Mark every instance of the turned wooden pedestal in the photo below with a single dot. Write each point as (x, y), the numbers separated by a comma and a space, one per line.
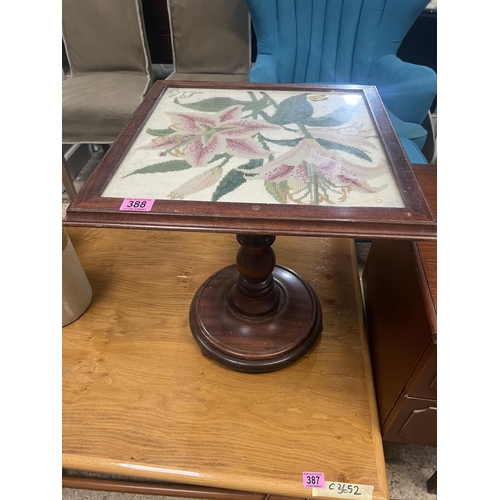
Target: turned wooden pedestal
(255, 316)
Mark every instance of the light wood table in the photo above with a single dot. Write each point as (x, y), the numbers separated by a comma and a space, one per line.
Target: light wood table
(140, 400)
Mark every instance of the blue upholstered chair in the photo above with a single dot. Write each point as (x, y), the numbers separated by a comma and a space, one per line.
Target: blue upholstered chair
(347, 41)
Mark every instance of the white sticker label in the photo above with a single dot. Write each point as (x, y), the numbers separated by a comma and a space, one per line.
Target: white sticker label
(344, 490)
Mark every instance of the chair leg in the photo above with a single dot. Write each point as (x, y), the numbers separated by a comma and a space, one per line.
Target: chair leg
(67, 180)
(432, 484)
(429, 148)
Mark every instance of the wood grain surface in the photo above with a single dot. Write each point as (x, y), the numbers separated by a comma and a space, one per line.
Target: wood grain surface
(427, 177)
(139, 399)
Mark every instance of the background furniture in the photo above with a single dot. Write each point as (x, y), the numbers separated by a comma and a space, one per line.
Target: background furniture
(158, 34)
(110, 69)
(419, 46)
(211, 40)
(67, 179)
(400, 288)
(347, 42)
(140, 400)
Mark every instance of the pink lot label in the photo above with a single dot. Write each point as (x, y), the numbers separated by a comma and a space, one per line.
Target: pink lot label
(137, 204)
(313, 479)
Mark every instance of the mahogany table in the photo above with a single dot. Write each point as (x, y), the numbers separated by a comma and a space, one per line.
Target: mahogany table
(140, 401)
(259, 161)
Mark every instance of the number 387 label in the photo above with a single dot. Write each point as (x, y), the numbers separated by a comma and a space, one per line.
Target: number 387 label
(137, 204)
(313, 479)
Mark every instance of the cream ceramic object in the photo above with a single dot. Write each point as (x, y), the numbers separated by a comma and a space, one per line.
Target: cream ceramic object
(76, 290)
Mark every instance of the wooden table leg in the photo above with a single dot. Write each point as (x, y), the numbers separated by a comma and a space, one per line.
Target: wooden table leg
(432, 484)
(255, 316)
(67, 180)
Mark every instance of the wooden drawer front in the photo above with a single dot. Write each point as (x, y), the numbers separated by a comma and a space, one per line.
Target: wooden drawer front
(423, 383)
(397, 320)
(415, 422)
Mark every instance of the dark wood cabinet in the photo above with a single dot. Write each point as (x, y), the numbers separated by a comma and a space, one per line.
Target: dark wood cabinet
(400, 288)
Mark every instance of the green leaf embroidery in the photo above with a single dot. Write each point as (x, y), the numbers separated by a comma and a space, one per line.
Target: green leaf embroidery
(211, 105)
(336, 118)
(166, 166)
(252, 164)
(160, 132)
(256, 106)
(219, 157)
(233, 180)
(262, 140)
(270, 99)
(225, 157)
(275, 189)
(284, 142)
(343, 147)
(294, 109)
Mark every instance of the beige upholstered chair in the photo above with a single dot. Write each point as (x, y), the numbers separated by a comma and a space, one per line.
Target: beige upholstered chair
(211, 40)
(110, 70)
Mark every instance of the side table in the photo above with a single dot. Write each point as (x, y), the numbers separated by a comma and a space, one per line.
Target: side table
(140, 400)
(257, 160)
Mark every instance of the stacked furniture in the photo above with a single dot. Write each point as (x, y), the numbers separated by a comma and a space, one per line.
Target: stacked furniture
(110, 71)
(211, 40)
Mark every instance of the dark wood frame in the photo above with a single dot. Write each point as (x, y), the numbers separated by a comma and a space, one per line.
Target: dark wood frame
(414, 221)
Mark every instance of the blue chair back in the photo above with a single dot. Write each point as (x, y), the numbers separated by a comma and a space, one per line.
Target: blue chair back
(347, 42)
(332, 41)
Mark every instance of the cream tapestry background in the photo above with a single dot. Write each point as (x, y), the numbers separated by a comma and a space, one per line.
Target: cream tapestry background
(259, 147)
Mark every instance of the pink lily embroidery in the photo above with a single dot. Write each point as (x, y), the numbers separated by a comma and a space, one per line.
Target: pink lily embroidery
(198, 137)
(199, 182)
(314, 173)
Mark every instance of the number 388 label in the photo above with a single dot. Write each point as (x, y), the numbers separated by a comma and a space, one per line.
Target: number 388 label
(137, 204)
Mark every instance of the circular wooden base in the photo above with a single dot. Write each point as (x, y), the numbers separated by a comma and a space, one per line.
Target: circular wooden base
(259, 343)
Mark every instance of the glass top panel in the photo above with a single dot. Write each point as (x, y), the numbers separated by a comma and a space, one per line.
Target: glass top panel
(249, 146)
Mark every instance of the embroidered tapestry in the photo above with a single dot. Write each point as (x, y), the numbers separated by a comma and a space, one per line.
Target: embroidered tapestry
(251, 146)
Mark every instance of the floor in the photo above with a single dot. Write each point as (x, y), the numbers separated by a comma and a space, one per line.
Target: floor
(408, 466)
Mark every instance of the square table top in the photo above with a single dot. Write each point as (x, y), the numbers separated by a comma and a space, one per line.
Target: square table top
(140, 400)
(247, 146)
(260, 158)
